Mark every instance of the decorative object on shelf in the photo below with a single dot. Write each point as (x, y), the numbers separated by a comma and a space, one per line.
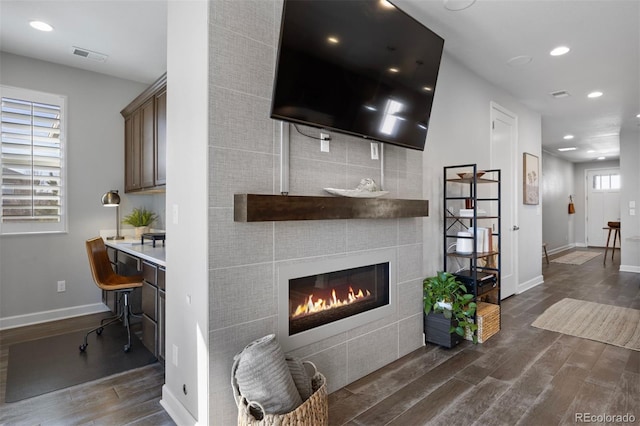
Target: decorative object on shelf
(439, 292)
(140, 218)
(366, 189)
(531, 179)
(112, 199)
(469, 175)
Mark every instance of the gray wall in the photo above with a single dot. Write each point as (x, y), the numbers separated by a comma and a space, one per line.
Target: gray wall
(244, 257)
(557, 184)
(459, 133)
(31, 265)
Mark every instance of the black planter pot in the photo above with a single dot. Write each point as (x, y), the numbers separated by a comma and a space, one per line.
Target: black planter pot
(436, 330)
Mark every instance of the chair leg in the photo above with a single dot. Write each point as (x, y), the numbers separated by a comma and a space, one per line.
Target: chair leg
(124, 316)
(127, 312)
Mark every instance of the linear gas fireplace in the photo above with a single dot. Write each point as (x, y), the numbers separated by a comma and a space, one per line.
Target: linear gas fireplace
(325, 297)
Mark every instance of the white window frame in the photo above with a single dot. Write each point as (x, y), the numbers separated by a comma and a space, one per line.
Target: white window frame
(34, 227)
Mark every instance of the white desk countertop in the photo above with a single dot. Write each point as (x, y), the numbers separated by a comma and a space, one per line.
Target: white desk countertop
(144, 251)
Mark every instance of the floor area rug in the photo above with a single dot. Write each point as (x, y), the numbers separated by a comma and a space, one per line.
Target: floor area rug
(45, 365)
(594, 321)
(576, 257)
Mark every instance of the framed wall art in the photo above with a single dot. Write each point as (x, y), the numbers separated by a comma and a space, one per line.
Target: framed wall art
(531, 179)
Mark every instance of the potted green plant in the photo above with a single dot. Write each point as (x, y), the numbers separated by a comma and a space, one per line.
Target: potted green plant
(448, 309)
(140, 218)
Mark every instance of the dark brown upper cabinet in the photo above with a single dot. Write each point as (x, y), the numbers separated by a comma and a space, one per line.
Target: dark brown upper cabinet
(145, 140)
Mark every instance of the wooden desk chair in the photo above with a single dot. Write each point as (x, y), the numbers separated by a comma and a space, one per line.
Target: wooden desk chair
(108, 280)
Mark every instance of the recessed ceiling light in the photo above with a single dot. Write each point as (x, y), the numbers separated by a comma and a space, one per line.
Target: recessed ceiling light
(595, 94)
(559, 51)
(42, 26)
(601, 158)
(568, 137)
(386, 4)
(518, 61)
(455, 5)
(572, 148)
(591, 151)
(333, 40)
(394, 70)
(427, 89)
(638, 115)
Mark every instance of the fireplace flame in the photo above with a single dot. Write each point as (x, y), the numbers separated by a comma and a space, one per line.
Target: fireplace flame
(312, 305)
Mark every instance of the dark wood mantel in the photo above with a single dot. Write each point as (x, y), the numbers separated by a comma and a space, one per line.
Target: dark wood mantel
(266, 207)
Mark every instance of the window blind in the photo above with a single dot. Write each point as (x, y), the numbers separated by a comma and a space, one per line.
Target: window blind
(32, 162)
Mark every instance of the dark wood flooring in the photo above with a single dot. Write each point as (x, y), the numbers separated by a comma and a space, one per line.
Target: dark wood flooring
(129, 398)
(521, 376)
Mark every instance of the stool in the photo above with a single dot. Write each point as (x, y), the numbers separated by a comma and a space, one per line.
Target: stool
(616, 234)
(546, 256)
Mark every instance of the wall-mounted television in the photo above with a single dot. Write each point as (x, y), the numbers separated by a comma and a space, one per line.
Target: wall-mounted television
(361, 67)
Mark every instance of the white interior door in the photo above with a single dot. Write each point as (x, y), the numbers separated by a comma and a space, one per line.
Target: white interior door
(603, 204)
(503, 149)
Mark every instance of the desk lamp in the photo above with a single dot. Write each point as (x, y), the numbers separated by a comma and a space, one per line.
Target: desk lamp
(112, 199)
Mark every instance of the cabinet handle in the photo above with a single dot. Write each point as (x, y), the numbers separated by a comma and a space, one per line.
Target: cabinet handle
(515, 227)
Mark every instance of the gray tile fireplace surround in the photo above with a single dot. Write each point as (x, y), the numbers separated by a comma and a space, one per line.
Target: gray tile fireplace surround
(244, 257)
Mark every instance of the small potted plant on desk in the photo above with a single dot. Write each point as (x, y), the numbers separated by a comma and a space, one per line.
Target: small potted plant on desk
(448, 310)
(140, 218)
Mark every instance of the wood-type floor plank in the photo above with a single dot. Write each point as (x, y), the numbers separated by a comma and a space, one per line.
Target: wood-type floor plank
(520, 376)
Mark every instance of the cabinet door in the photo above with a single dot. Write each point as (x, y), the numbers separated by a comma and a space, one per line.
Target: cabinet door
(147, 136)
(161, 139)
(132, 152)
(161, 319)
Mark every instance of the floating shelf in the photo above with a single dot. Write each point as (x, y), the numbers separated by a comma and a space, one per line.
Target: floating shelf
(265, 208)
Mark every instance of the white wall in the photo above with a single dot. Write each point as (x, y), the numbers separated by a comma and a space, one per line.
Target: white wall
(557, 184)
(579, 178)
(459, 133)
(630, 225)
(31, 265)
(186, 197)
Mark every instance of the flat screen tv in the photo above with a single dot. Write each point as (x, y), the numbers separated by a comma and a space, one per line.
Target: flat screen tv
(361, 67)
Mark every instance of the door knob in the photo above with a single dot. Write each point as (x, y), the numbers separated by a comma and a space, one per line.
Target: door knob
(515, 227)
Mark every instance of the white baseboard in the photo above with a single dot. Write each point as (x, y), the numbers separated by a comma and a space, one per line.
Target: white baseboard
(630, 268)
(522, 287)
(561, 249)
(584, 245)
(53, 315)
(175, 409)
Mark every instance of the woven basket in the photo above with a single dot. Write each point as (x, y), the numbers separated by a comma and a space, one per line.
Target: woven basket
(314, 411)
(488, 316)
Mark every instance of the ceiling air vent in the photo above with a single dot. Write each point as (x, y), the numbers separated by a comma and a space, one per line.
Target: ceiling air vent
(560, 94)
(88, 54)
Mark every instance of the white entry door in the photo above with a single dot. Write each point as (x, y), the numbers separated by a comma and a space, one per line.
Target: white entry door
(603, 204)
(504, 133)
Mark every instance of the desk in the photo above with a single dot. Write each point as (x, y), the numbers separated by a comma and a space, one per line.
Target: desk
(616, 234)
(149, 261)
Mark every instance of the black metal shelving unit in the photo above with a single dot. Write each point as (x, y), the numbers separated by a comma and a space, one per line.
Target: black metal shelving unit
(461, 191)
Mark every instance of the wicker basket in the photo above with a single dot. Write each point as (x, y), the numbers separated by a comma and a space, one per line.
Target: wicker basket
(488, 316)
(314, 411)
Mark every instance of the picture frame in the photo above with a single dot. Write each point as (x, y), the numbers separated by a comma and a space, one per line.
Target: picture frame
(530, 179)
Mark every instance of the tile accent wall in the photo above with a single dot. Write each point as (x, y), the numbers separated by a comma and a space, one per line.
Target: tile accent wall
(243, 257)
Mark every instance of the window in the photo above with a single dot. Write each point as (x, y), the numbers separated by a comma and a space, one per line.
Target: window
(33, 162)
(606, 182)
